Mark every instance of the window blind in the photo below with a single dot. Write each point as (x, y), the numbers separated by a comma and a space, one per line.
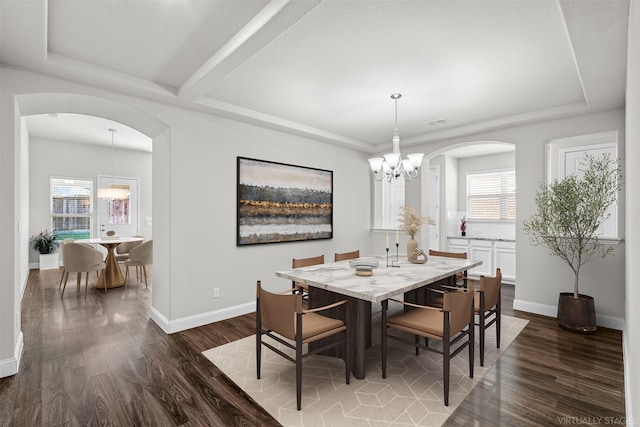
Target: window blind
(491, 195)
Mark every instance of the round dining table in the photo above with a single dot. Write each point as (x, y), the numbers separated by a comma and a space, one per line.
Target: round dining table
(111, 276)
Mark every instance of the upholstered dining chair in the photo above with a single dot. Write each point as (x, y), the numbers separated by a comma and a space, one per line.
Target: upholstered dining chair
(62, 243)
(487, 304)
(140, 256)
(346, 255)
(281, 317)
(122, 250)
(79, 258)
(450, 324)
(305, 262)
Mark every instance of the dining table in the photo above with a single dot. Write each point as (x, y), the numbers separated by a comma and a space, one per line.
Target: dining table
(336, 281)
(111, 276)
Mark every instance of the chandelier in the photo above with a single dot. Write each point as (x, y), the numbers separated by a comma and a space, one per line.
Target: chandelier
(113, 191)
(392, 166)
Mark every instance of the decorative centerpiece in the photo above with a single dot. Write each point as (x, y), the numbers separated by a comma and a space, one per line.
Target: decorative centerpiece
(44, 242)
(463, 226)
(410, 222)
(418, 256)
(364, 267)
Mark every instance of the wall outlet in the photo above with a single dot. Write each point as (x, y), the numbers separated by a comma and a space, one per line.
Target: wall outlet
(216, 292)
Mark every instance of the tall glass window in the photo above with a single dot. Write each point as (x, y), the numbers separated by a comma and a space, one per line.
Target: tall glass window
(71, 207)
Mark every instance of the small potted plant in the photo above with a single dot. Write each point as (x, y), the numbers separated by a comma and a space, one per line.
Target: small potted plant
(410, 222)
(463, 226)
(44, 242)
(569, 213)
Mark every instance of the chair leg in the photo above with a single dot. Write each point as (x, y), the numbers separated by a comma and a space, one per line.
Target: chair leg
(299, 360)
(78, 280)
(126, 275)
(481, 326)
(472, 342)
(66, 277)
(144, 270)
(86, 284)
(498, 319)
(446, 358)
(383, 338)
(416, 338)
(258, 338)
(61, 278)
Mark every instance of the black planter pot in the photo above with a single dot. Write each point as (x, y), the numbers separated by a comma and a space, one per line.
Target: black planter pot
(577, 314)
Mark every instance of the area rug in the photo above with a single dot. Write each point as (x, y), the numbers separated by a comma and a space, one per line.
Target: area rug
(411, 395)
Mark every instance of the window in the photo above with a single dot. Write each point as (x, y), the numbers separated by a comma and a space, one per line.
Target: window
(71, 207)
(388, 200)
(491, 195)
(565, 156)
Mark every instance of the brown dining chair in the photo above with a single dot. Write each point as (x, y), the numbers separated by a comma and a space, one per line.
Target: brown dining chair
(461, 278)
(435, 298)
(305, 262)
(79, 258)
(281, 317)
(449, 324)
(139, 257)
(346, 255)
(487, 304)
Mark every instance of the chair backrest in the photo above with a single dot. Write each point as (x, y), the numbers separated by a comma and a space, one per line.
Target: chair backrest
(143, 253)
(346, 255)
(491, 288)
(460, 305)
(305, 262)
(77, 257)
(461, 255)
(278, 311)
(62, 243)
(126, 247)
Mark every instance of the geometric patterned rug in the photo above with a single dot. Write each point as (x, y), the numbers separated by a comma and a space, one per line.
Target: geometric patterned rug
(411, 395)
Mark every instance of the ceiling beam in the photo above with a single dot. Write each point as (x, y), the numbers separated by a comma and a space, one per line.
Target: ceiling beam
(268, 24)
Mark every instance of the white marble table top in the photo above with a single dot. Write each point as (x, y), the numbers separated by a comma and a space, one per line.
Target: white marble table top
(107, 240)
(386, 282)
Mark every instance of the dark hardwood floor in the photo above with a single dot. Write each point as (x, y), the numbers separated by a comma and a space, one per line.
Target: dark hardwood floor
(102, 361)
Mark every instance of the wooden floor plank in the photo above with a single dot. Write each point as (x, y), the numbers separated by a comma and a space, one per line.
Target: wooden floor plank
(100, 360)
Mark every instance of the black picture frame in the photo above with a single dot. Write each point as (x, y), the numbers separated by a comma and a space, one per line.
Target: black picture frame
(280, 202)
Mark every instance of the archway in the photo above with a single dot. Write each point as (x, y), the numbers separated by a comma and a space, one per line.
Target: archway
(44, 103)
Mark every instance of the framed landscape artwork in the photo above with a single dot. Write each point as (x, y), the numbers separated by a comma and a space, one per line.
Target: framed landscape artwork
(278, 203)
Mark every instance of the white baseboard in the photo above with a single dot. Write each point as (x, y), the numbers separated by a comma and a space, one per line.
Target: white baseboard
(552, 311)
(11, 366)
(184, 323)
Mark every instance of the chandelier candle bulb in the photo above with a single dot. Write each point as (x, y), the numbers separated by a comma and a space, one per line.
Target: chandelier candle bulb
(397, 236)
(387, 242)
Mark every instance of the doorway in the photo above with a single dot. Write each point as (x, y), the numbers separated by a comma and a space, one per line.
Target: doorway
(119, 215)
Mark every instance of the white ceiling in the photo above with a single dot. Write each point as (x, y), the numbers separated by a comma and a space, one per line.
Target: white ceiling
(326, 69)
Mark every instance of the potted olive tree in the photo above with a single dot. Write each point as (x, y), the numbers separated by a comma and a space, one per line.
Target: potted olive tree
(568, 215)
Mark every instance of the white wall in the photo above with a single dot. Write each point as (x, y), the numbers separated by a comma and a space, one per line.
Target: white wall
(52, 158)
(631, 338)
(194, 201)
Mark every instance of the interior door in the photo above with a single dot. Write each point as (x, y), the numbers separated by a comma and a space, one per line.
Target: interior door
(120, 216)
